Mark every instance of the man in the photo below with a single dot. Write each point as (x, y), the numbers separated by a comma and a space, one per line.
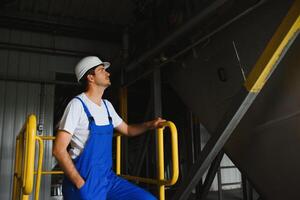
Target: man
(87, 124)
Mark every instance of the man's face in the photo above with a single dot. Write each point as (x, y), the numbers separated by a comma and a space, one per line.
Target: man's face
(101, 77)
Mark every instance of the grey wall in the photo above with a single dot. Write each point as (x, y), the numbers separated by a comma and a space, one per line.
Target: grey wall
(16, 102)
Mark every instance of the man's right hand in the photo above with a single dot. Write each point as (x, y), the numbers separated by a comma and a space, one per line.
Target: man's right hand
(80, 184)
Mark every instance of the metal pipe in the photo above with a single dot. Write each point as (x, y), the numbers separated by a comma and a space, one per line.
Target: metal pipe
(183, 30)
(44, 50)
(74, 28)
(7, 3)
(42, 110)
(196, 43)
(47, 82)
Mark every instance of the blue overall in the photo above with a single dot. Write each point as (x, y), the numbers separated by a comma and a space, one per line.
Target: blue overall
(95, 166)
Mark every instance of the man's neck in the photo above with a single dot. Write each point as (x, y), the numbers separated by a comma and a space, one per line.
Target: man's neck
(95, 95)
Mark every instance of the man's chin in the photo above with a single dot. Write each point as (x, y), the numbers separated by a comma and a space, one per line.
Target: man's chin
(108, 84)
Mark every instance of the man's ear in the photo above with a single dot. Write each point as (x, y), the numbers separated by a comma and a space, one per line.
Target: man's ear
(90, 78)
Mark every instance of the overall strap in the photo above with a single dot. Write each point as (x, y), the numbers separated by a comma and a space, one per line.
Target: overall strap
(109, 117)
(86, 110)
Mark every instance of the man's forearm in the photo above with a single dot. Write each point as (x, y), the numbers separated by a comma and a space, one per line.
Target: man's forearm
(65, 162)
(137, 129)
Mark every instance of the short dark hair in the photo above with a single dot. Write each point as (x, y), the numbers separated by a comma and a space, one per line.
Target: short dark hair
(83, 81)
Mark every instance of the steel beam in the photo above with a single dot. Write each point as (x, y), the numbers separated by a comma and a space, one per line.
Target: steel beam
(211, 175)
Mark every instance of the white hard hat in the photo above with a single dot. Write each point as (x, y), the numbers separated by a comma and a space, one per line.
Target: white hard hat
(87, 63)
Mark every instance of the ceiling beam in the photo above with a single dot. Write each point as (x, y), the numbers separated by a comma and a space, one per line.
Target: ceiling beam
(177, 34)
(67, 27)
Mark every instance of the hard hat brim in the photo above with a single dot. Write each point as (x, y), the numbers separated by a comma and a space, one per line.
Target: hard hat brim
(105, 64)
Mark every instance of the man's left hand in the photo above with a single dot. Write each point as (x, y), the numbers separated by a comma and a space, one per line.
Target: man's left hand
(156, 123)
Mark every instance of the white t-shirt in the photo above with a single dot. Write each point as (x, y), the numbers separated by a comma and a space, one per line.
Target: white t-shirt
(75, 121)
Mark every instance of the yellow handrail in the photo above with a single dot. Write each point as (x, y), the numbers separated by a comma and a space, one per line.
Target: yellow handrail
(174, 144)
(175, 167)
(160, 181)
(24, 161)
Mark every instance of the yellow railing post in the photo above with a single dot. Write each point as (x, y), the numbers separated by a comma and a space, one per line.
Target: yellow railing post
(29, 155)
(161, 167)
(40, 171)
(39, 168)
